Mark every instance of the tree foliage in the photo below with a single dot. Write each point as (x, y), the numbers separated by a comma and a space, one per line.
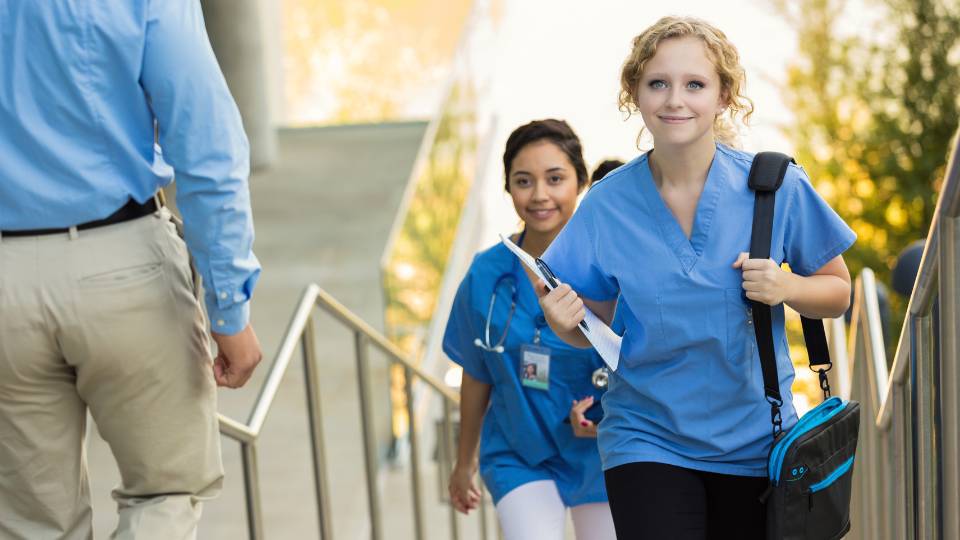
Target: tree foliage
(874, 115)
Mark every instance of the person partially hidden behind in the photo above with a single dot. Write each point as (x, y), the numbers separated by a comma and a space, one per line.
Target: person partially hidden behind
(98, 308)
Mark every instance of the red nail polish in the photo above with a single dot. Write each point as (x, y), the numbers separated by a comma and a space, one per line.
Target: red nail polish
(584, 423)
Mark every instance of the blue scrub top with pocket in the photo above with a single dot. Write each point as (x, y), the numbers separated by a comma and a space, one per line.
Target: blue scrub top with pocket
(689, 391)
(524, 437)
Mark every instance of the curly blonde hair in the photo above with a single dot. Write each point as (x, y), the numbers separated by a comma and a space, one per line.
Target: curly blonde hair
(721, 52)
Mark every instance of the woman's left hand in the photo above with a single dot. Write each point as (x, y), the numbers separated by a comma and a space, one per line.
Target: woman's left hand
(581, 426)
(764, 281)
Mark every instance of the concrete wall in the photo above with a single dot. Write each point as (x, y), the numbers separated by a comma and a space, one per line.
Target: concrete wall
(245, 38)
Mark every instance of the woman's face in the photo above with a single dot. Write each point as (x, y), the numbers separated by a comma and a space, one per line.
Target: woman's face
(680, 95)
(543, 185)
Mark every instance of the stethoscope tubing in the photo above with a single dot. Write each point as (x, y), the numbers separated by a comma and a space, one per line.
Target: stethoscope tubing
(601, 375)
(485, 344)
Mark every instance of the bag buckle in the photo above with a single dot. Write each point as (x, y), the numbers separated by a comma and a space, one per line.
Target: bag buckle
(824, 381)
(775, 417)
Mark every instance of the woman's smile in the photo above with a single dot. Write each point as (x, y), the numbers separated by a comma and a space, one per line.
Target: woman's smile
(542, 213)
(674, 119)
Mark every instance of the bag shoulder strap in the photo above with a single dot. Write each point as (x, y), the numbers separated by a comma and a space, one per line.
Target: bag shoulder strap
(766, 176)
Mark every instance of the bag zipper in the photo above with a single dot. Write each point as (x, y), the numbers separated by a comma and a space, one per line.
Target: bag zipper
(840, 471)
(825, 411)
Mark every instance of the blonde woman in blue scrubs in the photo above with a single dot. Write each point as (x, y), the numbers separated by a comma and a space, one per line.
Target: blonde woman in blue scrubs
(686, 431)
(525, 393)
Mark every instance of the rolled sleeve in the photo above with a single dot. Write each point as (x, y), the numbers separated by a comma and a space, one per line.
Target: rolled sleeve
(202, 138)
(228, 321)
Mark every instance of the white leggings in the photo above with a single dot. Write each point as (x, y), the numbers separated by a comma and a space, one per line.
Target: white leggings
(534, 511)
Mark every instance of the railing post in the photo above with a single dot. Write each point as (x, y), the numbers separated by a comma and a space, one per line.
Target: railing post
(903, 435)
(414, 439)
(839, 375)
(483, 512)
(251, 484)
(369, 439)
(448, 453)
(315, 417)
(868, 506)
(926, 442)
(949, 371)
(874, 506)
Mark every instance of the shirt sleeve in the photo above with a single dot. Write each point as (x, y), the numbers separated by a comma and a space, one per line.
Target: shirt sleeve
(462, 330)
(201, 136)
(814, 233)
(572, 256)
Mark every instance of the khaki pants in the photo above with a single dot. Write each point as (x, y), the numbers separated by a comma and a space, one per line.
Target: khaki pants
(105, 319)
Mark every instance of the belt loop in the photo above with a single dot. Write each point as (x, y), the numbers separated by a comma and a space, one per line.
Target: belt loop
(73, 233)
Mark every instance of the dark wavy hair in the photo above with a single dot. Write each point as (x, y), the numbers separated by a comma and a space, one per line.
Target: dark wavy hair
(603, 169)
(557, 132)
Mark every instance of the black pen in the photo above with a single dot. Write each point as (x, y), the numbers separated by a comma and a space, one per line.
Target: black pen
(552, 281)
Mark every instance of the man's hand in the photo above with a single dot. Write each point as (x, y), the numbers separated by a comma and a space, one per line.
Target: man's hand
(237, 356)
(764, 281)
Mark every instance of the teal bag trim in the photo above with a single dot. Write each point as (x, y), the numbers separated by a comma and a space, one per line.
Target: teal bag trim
(822, 413)
(825, 483)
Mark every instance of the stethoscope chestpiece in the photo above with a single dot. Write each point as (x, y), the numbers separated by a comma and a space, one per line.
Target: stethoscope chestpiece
(600, 378)
(494, 349)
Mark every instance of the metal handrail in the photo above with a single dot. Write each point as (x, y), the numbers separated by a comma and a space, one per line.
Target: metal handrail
(907, 481)
(300, 332)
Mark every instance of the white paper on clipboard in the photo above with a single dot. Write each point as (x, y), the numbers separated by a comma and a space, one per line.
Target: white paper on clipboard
(602, 337)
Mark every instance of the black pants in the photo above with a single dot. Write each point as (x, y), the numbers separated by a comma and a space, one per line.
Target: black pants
(653, 501)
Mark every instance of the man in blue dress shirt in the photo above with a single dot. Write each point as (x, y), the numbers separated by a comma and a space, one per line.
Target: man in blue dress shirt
(101, 103)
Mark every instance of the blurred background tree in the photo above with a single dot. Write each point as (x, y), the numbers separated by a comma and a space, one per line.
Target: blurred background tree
(874, 116)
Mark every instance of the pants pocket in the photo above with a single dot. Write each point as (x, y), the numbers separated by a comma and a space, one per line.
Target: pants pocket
(123, 277)
(179, 256)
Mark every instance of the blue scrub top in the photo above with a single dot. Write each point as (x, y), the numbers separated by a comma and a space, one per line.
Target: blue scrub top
(524, 437)
(689, 390)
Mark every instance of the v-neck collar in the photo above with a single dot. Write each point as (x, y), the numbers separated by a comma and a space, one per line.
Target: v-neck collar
(688, 251)
(525, 293)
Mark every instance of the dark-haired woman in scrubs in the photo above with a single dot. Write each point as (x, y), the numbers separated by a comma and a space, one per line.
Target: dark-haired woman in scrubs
(526, 396)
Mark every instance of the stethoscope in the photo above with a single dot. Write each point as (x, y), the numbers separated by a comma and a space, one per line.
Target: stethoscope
(498, 347)
(600, 377)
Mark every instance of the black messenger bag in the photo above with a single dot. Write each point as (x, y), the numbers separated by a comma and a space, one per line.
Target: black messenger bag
(810, 466)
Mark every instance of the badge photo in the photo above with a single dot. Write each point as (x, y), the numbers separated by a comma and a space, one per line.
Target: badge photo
(535, 367)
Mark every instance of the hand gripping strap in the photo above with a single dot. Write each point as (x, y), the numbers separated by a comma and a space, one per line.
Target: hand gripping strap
(766, 176)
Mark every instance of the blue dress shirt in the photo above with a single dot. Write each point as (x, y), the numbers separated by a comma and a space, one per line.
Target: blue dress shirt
(84, 86)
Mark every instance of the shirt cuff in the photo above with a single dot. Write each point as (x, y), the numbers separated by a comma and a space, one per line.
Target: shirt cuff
(230, 320)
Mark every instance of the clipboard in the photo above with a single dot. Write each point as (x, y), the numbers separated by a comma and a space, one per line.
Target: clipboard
(602, 337)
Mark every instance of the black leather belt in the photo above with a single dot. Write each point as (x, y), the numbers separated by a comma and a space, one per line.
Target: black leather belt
(131, 210)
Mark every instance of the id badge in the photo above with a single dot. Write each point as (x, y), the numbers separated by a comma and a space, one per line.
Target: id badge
(535, 367)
